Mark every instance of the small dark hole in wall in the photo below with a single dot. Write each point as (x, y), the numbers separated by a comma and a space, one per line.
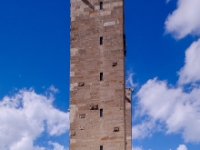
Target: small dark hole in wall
(101, 112)
(101, 76)
(101, 147)
(101, 5)
(101, 40)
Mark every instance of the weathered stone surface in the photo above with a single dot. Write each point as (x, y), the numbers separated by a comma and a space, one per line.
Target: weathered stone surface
(88, 130)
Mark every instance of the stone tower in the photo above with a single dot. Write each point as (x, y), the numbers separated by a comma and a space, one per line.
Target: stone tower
(100, 111)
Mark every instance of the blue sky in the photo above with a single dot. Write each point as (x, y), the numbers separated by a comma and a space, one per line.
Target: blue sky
(162, 64)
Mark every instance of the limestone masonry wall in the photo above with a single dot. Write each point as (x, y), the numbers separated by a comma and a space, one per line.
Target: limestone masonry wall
(97, 82)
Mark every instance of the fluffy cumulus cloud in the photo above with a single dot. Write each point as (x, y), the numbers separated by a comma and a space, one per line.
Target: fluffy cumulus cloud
(182, 147)
(57, 146)
(136, 148)
(177, 110)
(185, 19)
(191, 70)
(143, 130)
(25, 116)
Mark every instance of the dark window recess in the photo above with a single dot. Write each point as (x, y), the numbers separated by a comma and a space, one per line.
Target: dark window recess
(81, 128)
(93, 107)
(81, 84)
(101, 76)
(124, 45)
(101, 5)
(114, 64)
(101, 147)
(116, 129)
(101, 112)
(101, 40)
(72, 133)
(81, 116)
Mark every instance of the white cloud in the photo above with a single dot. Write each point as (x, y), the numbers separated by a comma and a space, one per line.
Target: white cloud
(182, 147)
(142, 130)
(185, 19)
(170, 106)
(25, 116)
(136, 148)
(53, 89)
(191, 70)
(129, 80)
(23, 144)
(177, 110)
(57, 146)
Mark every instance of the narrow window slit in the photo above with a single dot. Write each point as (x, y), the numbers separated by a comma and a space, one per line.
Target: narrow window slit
(101, 5)
(101, 147)
(101, 76)
(101, 40)
(101, 112)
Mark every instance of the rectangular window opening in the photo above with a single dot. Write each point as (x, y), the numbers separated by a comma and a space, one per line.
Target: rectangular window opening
(101, 147)
(101, 76)
(101, 112)
(101, 40)
(101, 5)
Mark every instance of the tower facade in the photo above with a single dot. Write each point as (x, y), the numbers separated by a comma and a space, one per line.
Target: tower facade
(100, 106)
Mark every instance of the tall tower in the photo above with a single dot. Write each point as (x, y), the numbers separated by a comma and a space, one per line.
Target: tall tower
(100, 111)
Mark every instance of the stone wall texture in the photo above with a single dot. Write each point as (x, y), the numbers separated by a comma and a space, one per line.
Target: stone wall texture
(100, 113)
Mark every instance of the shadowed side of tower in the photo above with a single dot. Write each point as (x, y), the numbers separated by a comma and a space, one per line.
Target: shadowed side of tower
(100, 113)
